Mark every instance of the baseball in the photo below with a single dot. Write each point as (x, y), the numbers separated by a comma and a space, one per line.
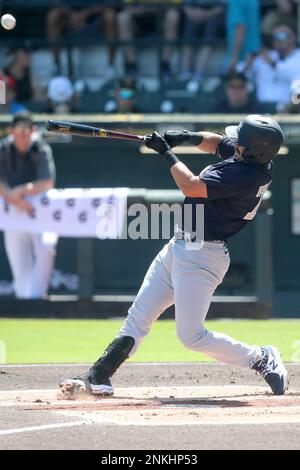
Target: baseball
(8, 21)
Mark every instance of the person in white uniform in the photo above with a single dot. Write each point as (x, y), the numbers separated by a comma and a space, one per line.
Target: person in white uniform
(27, 168)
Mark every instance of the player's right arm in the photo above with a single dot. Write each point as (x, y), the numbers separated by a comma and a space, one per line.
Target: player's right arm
(190, 184)
(208, 142)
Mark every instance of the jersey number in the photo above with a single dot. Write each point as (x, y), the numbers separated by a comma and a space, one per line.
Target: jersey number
(260, 193)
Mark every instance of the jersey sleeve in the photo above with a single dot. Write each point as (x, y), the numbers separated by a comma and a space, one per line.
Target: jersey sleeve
(230, 180)
(45, 168)
(225, 148)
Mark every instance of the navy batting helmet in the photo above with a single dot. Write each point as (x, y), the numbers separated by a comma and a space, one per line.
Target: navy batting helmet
(260, 135)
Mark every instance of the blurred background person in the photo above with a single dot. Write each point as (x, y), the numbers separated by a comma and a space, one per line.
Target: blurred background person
(239, 97)
(133, 21)
(27, 168)
(283, 11)
(273, 71)
(61, 96)
(242, 30)
(69, 19)
(17, 74)
(10, 106)
(199, 22)
(125, 97)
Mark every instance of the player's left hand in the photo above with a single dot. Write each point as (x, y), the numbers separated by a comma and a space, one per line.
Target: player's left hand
(156, 142)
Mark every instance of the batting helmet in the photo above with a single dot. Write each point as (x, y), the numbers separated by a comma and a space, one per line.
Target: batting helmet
(260, 135)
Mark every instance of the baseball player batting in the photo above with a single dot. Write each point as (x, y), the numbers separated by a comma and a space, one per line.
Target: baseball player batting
(186, 272)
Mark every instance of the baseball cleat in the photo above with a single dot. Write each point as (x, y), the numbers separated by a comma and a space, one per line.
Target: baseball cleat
(76, 387)
(271, 368)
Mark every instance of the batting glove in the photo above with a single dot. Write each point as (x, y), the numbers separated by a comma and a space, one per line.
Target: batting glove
(156, 142)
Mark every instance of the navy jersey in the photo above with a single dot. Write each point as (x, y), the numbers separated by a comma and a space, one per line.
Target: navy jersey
(235, 190)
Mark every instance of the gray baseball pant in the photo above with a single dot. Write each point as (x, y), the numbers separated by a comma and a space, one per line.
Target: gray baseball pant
(187, 275)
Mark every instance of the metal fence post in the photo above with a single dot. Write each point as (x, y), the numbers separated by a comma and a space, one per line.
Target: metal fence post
(264, 258)
(85, 267)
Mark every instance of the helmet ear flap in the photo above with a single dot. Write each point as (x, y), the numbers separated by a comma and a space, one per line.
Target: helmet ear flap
(250, 155)
(255, 157)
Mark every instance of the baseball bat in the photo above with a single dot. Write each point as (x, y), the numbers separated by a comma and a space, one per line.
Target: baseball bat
(73, 128)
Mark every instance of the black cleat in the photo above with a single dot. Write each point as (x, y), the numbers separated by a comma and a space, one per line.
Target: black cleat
(96, 380)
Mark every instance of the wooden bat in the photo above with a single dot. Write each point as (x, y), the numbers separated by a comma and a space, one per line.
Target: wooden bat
(73, 128)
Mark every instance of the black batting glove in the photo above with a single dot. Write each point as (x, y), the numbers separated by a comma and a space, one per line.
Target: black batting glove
(156, 142)
(175, 138)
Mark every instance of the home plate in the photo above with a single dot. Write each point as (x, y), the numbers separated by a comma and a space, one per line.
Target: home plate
(162, 406)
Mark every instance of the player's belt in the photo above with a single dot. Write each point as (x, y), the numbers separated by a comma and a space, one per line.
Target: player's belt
(186, 236)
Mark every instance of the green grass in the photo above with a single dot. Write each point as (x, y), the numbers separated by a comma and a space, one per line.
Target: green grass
(72, 341)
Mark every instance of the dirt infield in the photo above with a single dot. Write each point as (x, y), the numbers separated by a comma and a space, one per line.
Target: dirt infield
(156, 406)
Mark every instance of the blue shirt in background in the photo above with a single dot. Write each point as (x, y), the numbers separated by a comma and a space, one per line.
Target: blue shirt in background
(247, 13)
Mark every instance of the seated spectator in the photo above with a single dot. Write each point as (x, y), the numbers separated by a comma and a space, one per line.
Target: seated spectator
(285, 11)
(199, 22)
(126, 96)
(243, 31)
(238, 98)
(67, 19)
(11, 106)
(61, 97)
(274, 71)
(131, 23)
(18, 72)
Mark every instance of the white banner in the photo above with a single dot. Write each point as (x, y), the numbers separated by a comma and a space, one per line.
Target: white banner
(75, 212)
